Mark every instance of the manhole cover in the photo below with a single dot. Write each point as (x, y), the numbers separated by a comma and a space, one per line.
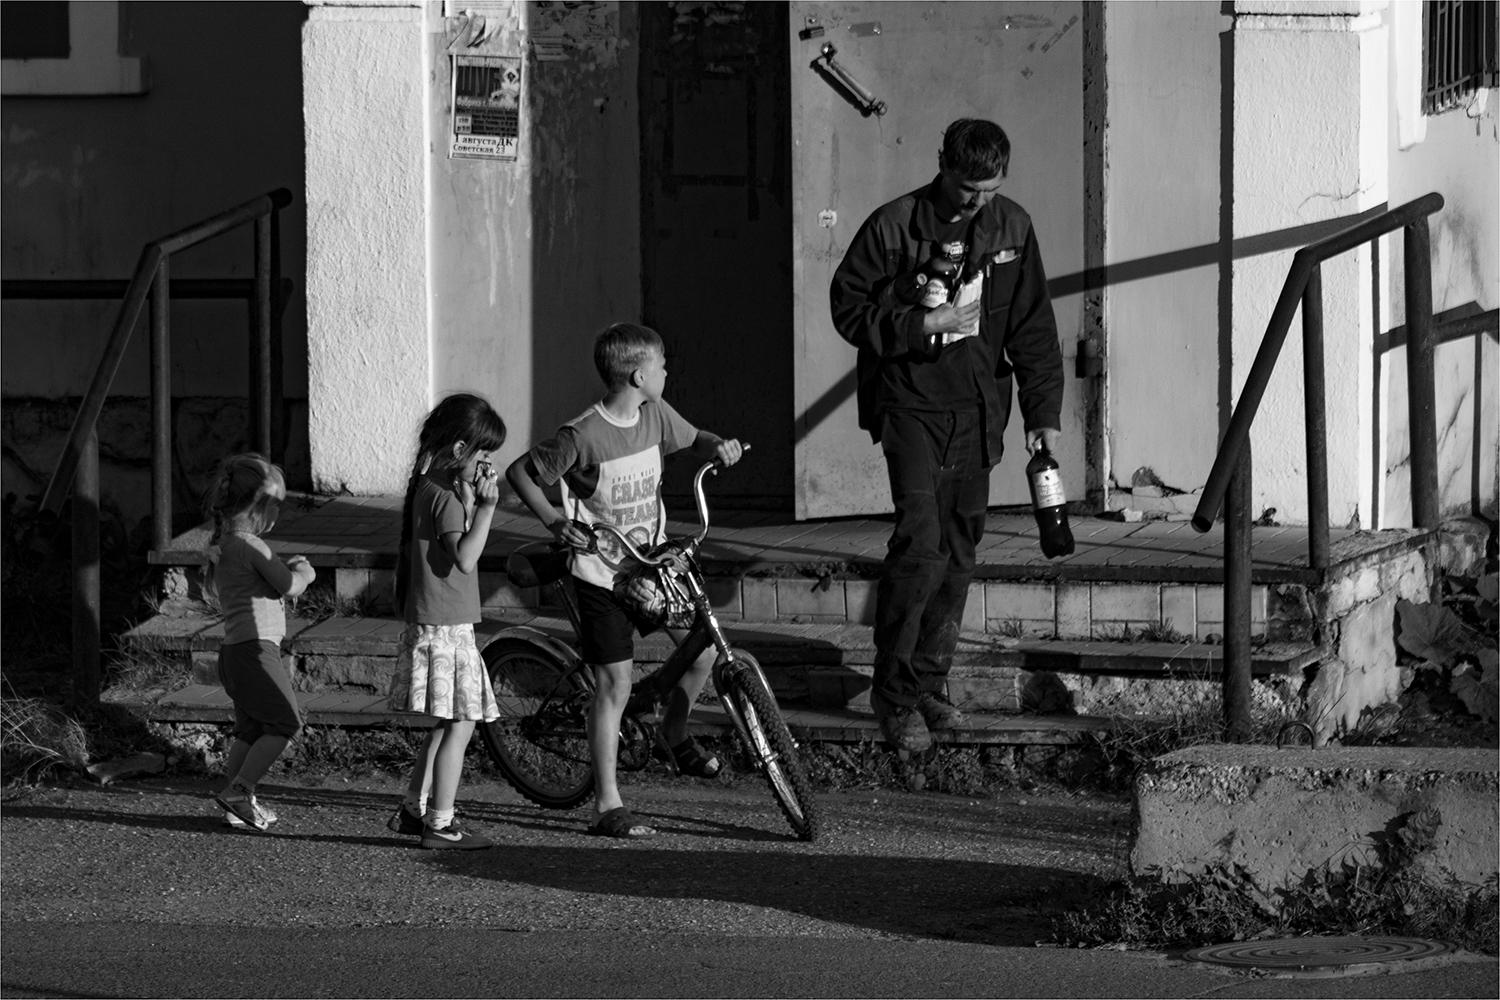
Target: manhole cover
(1317, 953)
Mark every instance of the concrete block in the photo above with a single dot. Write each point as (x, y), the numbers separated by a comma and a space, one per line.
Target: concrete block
(321, 672)
(973, 620)
(985, 689)
(1073, 620)
(1461, 545)
(1362, 675)
(801, 597)
(205, 666)
(1407, 577)
(859, 601)
(758, 598)
(1347, 590)
(835, 687)
(1281, 813)
(1124, 602)
(1027, 601)
(724, 595)
(1179, 609)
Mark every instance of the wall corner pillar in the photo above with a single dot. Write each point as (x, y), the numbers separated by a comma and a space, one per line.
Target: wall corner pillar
(365, 110)
(1310, 123)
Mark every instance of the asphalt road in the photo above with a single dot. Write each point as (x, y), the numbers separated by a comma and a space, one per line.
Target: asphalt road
(135, 890)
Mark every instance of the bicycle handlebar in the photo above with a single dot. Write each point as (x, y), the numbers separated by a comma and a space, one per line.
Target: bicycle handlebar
(649, 560)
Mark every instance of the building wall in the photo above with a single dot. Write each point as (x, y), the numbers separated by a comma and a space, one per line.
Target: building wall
(1457, 154)
(85, 182)
(1162, 206)
(531, 258)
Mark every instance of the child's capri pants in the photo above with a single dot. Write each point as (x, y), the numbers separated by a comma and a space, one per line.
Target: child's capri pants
(255, 678)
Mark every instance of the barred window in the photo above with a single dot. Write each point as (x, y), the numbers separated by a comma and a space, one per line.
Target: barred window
(1461, 51)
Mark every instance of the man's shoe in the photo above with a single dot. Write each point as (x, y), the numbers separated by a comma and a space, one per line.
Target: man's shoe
(452, 838)
(902, 728)
(939, 711)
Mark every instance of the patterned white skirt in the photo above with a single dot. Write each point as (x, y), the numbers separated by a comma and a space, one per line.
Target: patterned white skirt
(439, 672)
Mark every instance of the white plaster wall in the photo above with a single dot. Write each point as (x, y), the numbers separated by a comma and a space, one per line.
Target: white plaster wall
(1309, 127)
(1457, 154)
(481, 250)
(1162, 195)
(369, 367)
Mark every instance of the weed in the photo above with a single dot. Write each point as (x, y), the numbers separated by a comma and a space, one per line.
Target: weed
(1011, 628)
(1131, 741)
(1394, 895)
(37, 739)
(139, 670)
(321, 602)
(1162, 632)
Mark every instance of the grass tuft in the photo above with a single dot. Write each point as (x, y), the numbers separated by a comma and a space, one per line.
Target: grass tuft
(37, 739)
(1221, 904)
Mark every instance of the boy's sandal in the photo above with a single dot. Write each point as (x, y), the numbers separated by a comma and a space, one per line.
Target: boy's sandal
(621, 823)
(690, 759)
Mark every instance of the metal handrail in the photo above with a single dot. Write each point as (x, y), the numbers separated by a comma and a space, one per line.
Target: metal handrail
(150, 272)
(78, 466)
(1230, 477)
(1303, 273)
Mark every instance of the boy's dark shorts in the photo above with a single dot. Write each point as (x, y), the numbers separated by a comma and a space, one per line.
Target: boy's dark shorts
(608, 625)
(255, 678)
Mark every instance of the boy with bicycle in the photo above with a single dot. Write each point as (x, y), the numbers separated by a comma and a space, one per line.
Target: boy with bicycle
(607, 464)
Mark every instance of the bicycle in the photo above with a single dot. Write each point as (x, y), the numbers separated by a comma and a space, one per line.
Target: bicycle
(544, 688)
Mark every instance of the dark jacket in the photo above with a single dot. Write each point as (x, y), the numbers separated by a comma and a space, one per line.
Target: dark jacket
(1017, 331)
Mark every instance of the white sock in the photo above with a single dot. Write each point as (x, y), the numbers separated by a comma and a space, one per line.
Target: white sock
(416, 803)
(439, 819)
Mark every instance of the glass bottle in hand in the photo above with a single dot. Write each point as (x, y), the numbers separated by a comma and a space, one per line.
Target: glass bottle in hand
(1049, 503)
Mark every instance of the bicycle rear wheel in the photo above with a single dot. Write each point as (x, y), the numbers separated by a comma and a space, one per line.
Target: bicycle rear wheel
(540, 742)
(771, 745)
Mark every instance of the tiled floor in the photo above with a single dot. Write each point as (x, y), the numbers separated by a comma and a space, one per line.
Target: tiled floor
(365, 532)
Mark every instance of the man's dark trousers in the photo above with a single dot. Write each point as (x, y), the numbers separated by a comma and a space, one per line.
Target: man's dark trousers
(940, 485)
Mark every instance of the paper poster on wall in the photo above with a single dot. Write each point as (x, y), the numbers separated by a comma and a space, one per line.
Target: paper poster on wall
(486, 107)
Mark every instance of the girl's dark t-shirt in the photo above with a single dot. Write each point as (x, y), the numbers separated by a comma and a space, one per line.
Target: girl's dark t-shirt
(439, 593)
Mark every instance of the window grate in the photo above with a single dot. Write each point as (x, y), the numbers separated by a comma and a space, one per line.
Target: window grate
(1461, 54)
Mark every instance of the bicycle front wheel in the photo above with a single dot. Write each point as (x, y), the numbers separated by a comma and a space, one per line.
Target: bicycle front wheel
(771, 745)
(540, 742)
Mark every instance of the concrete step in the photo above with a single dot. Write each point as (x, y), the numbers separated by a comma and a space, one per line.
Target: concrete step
(209, 703)
(820, 666)
(1278, 813)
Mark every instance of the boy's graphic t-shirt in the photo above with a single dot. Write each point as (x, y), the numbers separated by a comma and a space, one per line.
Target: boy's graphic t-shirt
(609, 472)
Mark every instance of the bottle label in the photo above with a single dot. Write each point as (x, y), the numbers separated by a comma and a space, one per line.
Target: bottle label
(1047, 487)
(934, 293)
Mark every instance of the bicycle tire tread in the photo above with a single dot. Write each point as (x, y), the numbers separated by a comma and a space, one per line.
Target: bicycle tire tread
(495, 657)
(746, 684)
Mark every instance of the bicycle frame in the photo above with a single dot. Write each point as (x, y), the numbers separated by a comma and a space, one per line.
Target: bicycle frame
(705, 631)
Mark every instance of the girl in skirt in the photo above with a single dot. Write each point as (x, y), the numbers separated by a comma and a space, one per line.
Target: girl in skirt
(445, 524)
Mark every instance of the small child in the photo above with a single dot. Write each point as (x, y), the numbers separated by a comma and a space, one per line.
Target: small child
(250, 581)
(445, 524)
(608, 465)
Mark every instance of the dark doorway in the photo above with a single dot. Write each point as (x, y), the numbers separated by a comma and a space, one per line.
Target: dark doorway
(716, 231)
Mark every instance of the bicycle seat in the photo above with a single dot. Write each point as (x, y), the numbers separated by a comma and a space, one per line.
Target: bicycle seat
(536, 564)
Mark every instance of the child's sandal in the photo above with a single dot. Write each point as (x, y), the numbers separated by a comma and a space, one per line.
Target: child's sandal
(691, 760)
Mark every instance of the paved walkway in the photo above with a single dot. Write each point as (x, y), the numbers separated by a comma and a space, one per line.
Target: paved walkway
(365, 532)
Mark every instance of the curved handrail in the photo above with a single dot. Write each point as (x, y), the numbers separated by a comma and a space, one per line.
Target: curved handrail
(151, 259)
(1304, 264)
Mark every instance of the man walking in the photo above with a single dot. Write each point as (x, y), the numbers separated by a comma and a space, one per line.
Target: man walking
(934, 393)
